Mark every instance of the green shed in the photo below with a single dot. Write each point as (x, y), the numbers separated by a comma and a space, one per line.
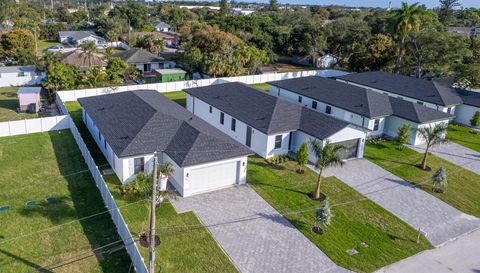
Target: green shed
(171, 75)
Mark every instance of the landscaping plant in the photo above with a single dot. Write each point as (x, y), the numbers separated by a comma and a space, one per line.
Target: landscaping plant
(302, 157)
(433, 135)
(323, 216)
(475, 121)
(403, 135)
(327, 156)
(439, 180)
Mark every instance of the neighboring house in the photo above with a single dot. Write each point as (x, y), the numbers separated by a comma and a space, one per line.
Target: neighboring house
(130, 127)
(20, 75)
(161, 26)
(245, 12)
(326, 61)
(82, 59)
(267, 70)
(76, 38)
(170, 38)
(143, 60)
(465, 31)
(379, 113)
(29, 98)
(425, 92)
(471, 104)
(269, 125)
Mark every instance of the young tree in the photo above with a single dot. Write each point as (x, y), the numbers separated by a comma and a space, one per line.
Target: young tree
(327, 156)
(407, 19)
(323, 216)
(439, 180)
(433, 135)
(224, 7)
(60, 76)
(403, 135)
(273, 5)
(475, 121)
(302, 157)
(89, 47)
(115, 70)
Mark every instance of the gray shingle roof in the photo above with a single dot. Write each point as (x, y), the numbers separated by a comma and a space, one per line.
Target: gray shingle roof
(358, 100)
(160, 24)
(16, 69)
(77, 35)
(142, 122)
(416, 112)
(469, 97)
(266, 113)
(424, 90)
(138, 56)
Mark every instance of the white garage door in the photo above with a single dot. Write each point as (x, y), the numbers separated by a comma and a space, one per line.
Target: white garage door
(214, 177)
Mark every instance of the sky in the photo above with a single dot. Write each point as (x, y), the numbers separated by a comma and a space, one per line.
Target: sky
(370, 3)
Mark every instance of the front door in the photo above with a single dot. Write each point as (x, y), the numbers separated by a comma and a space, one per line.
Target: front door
(248, 142)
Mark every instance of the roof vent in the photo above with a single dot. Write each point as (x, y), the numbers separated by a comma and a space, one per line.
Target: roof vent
(124, 137)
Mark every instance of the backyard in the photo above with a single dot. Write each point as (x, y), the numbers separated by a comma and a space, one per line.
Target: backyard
(261, 86)
(44, 44)
(463, 191)
(45, 189)
(357, 223)
(204, 254)
(464, 136)
(9, 105)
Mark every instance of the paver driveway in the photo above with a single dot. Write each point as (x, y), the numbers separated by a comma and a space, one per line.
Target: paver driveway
(254, 235)
(417, 208)
(456, 154)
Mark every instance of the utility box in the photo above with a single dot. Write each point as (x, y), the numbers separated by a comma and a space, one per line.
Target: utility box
(29, 99)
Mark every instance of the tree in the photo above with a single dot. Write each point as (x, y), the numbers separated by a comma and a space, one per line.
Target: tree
(166, 170)
(323, 216)
(403, 135)
(60, 76)
(18, 47)
(407, 19)
(302, 157)
(150, 43)
(89, 47)
(115, 70)
(433, 135)
(273, 5)
(379, 55)
(224, 7)
(134, 13)
(327, 156)
(446, 10)
(347, 36)
(95, 77)
(439, 180)
(475, 121)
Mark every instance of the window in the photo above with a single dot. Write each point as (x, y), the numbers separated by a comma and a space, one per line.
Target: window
(138, 165)
(210, 109)
(222, 117)
(376, 124)
(21, 74)
(147, 67)
(99, 136)
(299, 98)
(233, 125)
(105, 143)
(278, 142)
(449, 110)
(328, 109)
(314, 104)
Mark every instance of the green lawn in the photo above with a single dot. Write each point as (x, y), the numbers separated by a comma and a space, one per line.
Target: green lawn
(179, 97)
(463, 190)
(182, 250)
(42, 45)
(356, 219)
(34, 167)
(464, 136)
(9, 105)
(261, 86)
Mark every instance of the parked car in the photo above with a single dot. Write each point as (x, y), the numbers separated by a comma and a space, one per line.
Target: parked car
(55, 48)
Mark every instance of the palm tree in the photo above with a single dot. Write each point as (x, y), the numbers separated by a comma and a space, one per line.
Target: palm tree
(432, 135)
(166, 170)
(407, 19)
(327, 156)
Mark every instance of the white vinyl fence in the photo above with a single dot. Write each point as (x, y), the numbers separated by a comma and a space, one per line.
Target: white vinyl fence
(36, 125)
(72, 95)
(115, 213)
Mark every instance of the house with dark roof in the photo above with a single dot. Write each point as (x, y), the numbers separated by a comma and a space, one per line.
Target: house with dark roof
(426, 92)
(379, 113)
(270, 125)
(132, 127)
(143, 60)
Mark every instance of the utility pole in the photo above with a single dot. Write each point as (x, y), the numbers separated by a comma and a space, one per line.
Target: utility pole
(151, 249)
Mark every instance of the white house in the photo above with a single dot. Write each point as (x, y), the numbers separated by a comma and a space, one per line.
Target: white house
(377, 112)
(76, 38)
(161, 26)
(269, 125)
(130, 127)
(20, 75)
(471, 104)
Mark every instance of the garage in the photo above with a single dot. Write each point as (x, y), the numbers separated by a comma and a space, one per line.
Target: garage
(215, 176)
(351, 148)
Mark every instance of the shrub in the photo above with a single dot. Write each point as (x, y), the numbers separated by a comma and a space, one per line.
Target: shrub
(440, 181)
(403, 135)
(475, 121)
(302, 157)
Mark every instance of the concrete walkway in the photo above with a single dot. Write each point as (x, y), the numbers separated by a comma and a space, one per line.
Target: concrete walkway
(254, 235)
(461, 255)
(456, 154)
(417, 208)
